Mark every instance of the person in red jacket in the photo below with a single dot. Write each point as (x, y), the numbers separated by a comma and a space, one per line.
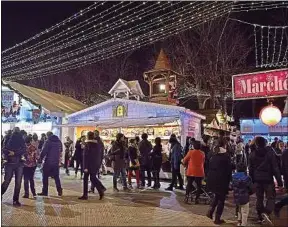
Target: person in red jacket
(194, 160)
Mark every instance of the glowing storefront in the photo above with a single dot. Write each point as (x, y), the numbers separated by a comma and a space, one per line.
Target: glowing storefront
(34, 110)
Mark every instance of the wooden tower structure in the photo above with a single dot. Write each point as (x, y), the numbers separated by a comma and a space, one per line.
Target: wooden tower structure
(162, 81)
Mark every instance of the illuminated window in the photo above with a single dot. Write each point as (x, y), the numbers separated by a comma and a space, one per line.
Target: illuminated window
(120, 111)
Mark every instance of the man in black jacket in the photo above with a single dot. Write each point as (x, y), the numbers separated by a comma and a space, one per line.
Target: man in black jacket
(263, 167)
(14, 150)
(284, 201)
(145, 148)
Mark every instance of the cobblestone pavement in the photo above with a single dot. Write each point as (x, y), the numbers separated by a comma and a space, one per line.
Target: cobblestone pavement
(136, 208)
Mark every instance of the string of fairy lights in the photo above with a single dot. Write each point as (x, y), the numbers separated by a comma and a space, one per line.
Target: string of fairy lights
(108, 41)
(89, 36)
(111, 54)
(179, 16)
(271, 45)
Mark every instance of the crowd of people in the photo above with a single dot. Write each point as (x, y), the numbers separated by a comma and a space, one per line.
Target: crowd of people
(220, 162)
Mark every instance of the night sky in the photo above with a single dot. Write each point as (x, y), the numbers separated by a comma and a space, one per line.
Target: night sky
(21, 20)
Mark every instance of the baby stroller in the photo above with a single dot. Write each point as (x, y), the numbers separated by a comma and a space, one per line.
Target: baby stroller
(205, 196)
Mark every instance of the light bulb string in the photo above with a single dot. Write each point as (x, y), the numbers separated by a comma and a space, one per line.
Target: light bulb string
(101, 43)
(58, 25)
(68, 30)
(260, 6)
(90, 35)
(257, 25)
(113, 53)
(86, 56)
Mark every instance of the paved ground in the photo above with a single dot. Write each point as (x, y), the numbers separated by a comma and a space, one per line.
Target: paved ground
(137, 208)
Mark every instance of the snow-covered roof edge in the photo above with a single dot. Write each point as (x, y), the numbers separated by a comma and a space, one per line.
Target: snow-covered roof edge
(179, 108)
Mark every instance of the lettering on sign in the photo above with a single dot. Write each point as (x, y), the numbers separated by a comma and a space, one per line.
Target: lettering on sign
(260, 85)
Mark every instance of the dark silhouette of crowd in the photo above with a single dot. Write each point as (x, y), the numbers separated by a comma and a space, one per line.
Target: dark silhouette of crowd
(213, 166)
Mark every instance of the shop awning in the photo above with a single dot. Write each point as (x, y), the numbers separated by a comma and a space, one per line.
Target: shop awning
(52, 102)
(118, 123)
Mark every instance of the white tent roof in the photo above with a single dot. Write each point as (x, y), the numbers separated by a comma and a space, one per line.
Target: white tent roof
(132, 102)
(50, 101)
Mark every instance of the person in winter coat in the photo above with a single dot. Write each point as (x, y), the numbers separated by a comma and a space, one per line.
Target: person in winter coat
(187, 145)
(51, 155)
(92, 159)
(29, 167)
(195, 160)
(206, 149)
(284, 201)
(68, 153)
(78, 155)
(218, 180)
(280, 146)
(145, 148)
(102, 168)
(240, 151)
(156, 159)
(242, 189)
(119, 164)
(263, 167)
(14, 151)
(176, 157)
(42, 141)
(134, 165)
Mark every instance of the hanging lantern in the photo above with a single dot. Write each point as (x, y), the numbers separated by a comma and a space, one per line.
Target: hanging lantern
(270, 115)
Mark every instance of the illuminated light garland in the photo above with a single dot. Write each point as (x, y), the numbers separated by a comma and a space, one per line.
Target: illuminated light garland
(58, 25)
(69, 30)
(108, 41)
(235, 7)
(170, 32)
(255, 6)
(238, 5)
(113, 53)
(272, 61)
(255, 44)
(85, 57)
(86, 37)
(90, 62)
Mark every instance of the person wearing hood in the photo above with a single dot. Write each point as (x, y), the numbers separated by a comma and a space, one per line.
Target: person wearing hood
(242, 189)
(51, 154)
(91, 164)
(176, 157)
(145, 148)
(218, 180)
(14, 151)
(262, 169)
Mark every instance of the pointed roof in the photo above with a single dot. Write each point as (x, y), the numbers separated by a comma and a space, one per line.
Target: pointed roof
(162, 61)
(132, 86)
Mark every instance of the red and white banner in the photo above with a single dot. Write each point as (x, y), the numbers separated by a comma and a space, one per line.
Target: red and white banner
(267, 84)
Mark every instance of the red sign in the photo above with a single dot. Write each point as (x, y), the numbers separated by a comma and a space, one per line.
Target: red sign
(260, 85)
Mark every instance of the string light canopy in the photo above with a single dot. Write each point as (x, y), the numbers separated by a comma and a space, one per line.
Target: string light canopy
(107, 29)
(271, 45)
